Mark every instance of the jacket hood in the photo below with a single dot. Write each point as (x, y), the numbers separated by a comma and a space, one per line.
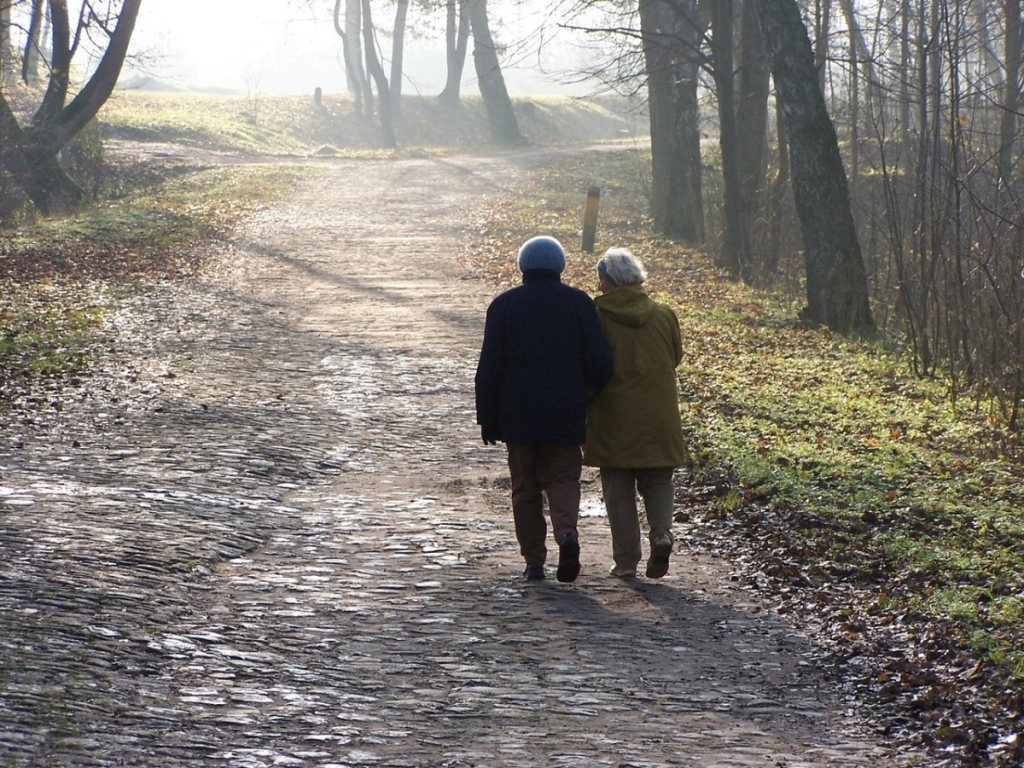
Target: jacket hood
(628, 304)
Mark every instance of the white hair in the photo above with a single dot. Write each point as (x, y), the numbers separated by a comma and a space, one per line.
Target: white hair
(622, 267)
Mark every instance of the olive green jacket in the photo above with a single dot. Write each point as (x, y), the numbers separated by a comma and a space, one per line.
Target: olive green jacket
(634, 420)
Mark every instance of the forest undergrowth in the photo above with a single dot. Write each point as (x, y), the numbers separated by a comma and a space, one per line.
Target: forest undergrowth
(860, 500)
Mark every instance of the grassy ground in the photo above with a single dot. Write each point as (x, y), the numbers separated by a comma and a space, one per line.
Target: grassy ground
(859, 497)
(295, 125)
(59, 276)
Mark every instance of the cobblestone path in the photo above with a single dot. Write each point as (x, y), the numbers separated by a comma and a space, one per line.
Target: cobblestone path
(266, 534)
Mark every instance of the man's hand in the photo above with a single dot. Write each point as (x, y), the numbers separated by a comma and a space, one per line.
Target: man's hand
(490, 435)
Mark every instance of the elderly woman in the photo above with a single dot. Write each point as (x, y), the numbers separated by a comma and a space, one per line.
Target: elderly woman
(633, 428)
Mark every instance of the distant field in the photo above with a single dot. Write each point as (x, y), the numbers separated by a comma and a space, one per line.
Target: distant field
(296, 125)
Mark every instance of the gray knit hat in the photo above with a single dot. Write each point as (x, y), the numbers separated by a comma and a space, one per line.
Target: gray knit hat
(542, 253)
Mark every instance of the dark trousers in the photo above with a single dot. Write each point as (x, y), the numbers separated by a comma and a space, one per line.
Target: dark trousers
(539, 469)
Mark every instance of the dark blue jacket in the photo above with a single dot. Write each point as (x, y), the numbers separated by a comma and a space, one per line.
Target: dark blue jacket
(543, 354)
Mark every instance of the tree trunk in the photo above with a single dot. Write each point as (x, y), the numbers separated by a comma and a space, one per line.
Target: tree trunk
(905, 64)
(456, 44)
(752, 103)
(837, 291)
(30, 154)
(32, 55)
(861, 60)
(6, 51)
(861, 52)
(387, 126)
(854, 122)
(97, 90)
(500, 115)
(987, 21)
(822, 34)
(735, 253)
(777, 195)
(35, 168)
(1011, 90)
(754, 77)
(921, 223)
(354, 32)
(351, 52)
(397, 52)
(60, 70)
(671, 32)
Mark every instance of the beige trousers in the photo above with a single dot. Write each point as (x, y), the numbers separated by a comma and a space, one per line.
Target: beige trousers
(620, 487)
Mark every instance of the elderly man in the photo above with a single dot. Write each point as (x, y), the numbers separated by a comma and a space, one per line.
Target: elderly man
(543, 355)
(634, 434)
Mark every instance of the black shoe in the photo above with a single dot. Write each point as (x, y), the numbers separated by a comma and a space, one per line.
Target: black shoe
(534, 571)
(568, 558)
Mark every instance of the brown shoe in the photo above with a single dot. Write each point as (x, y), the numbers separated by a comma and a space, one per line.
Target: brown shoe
(661, 550)
(622, 572)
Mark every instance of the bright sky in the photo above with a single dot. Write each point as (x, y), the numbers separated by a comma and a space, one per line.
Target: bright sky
(264, 45)
(285, 46)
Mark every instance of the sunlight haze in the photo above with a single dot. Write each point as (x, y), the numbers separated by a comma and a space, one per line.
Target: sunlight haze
(288, 46)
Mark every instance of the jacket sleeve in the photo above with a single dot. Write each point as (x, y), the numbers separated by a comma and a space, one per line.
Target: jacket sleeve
(489, 372)
(597, 355)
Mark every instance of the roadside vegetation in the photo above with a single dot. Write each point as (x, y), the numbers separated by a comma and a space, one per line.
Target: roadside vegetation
(59, 276)
(855, 496)
(149, 220)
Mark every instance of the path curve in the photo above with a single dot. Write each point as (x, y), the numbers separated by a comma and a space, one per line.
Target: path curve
(266, 534)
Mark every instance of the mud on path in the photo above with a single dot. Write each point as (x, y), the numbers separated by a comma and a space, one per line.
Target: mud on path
(267, 534)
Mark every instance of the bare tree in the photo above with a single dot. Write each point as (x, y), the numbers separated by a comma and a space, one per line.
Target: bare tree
(858, 43)
(822, 26)
(753, 77)
(500, 115)
(32, 55)
(671, 31)
(906, 18)
(776, 197)
(735, 251)
(29, 153)
(837, 289)
(352, 52)
(397, 55)
(6, 51)
(387, 125)
(456, 45)
(1011, 99)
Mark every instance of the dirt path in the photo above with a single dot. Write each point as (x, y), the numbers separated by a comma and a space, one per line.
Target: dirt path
(268, 535)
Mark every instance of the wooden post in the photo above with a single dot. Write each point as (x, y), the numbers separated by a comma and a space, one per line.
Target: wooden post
(590, 219)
